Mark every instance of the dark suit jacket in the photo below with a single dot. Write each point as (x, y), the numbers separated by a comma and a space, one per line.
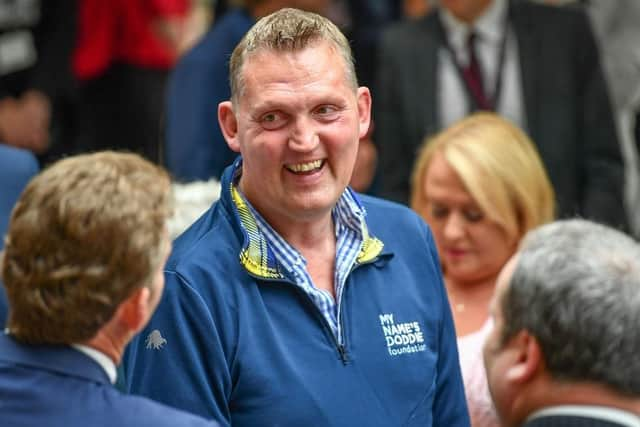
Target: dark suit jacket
(569, 421)
(565, 98)
(61, 387)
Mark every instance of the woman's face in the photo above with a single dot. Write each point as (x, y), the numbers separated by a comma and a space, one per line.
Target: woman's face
(472, 247)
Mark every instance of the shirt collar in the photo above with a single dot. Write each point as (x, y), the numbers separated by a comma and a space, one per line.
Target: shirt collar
(348, 212)
(257, 256)
(100, 358)
(606, 413)
(349, 207)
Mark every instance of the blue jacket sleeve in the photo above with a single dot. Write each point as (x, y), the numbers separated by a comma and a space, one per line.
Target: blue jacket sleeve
(450, 405)
(179, 358)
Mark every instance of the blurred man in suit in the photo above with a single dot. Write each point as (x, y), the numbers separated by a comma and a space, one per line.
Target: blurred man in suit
(565, 344)
(537, 65)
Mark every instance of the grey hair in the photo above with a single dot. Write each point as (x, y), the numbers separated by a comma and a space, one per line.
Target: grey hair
(576, 288)
(288, 30)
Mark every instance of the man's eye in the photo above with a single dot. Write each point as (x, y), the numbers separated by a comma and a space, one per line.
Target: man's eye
(326, 111)
(272, 120)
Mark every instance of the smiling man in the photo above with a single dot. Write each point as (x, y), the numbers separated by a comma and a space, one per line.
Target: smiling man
(295, 301)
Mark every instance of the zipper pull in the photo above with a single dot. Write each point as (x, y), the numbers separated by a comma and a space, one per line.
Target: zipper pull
(343, 353)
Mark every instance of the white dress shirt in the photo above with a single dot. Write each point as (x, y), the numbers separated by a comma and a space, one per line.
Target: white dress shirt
(605, 413)
(101, 359)
(489, 28)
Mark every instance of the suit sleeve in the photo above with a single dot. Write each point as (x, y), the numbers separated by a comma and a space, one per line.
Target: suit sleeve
(390, 132)
(179, 358)
(603, 168)
(450, 405)
(196, 149)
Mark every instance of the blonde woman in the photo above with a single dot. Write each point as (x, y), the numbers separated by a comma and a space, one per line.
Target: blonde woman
(480, 184)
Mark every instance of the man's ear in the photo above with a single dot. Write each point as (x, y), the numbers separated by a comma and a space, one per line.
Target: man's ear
(527, 357)
(134, 312)
(229, 125)
(364, 110)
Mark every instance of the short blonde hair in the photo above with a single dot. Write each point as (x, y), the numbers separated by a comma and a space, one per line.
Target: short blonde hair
(84, 235)
(499, 166)
(288, 30)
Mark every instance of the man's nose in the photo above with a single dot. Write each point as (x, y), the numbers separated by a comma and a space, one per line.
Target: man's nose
(304, 136)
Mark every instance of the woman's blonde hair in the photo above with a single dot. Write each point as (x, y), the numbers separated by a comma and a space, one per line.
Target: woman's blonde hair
(499, 166)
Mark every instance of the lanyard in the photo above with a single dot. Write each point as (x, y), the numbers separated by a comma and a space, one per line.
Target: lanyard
(492, 96)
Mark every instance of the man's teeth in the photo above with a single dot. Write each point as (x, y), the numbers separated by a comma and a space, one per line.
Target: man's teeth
(305, 167)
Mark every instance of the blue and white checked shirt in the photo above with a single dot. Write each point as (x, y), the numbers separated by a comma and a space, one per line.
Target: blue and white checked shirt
(348, 217)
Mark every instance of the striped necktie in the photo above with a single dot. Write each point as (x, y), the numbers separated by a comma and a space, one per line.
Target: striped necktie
(472, 74)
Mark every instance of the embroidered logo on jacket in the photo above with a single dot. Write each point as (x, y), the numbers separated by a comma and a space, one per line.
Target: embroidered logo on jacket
(401, 338)
(155, 340)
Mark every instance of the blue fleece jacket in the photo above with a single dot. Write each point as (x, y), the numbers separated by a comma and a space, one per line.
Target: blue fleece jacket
(236, 340)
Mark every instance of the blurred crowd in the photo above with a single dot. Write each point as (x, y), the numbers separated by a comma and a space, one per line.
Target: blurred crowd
(146, 76)
(489, 119)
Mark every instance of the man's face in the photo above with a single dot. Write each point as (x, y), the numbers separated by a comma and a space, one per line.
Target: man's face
(496, 354)
(465, 10)
(297, 127)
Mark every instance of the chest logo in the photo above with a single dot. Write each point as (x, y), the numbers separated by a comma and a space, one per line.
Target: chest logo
(155, 340)
(401, 337)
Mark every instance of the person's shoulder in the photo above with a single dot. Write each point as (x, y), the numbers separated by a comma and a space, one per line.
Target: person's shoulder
(98, 403)
(17, 161)
(382, 213)
(219, 40)
(401, 230)
(230, 28)
(206, 234)
(378, 203)
(142, 412)
(213, 236)
(545, 13)
(236, 17)
(203, 51)
(408, 29)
